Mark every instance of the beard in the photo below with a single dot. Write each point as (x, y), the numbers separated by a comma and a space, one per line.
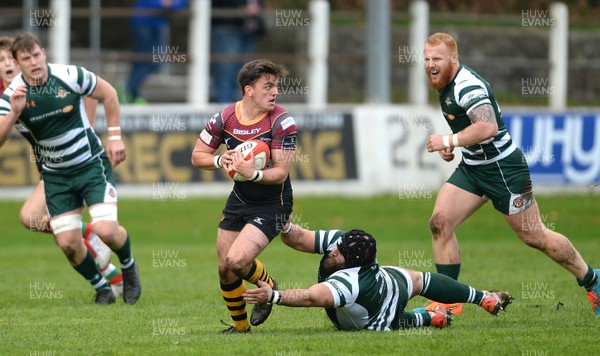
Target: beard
(329, 265)
(444, 78)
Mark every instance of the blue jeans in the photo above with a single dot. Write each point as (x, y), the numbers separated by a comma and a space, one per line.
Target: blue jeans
(145, 40)
(228, 40)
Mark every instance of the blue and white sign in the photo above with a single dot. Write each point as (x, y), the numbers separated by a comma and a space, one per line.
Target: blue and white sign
(561, 148)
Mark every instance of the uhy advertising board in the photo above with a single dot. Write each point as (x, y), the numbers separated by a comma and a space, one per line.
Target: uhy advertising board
(561, 148)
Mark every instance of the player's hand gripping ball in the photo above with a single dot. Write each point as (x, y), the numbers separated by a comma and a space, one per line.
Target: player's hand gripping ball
(262, 154)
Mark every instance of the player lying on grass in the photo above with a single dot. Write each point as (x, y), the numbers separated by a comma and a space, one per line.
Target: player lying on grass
(358, 293)
(33, 214)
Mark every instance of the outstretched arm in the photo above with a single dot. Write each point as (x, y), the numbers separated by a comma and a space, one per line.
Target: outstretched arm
(317, 295)
(298, 238)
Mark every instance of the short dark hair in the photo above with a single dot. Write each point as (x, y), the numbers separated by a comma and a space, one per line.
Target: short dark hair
(6, 43)
(358, 248)
(25, 42)
(253, 70)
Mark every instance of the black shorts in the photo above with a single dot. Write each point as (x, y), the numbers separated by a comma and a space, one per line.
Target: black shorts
(269, 218)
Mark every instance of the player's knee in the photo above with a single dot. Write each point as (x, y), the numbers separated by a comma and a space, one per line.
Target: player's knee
(534, 243)
(225, 274)
(222, 269)
(104, 212)
(108, 231)
(68, 247)
(65, 223)
(532, 234)
(236, 266)
(533, 240)
(67, 231)
(437, 223)
(32, 220)
(25, 217)
(104, 223)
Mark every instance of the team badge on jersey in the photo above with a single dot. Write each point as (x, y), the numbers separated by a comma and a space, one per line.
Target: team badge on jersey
(110, 193)
(518, 202)
(61, 93)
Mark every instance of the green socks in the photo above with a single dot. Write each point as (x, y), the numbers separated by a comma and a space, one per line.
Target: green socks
(444, 289)
(124, 254)
(450, 270)
(413, 320)
(89, 271)
(589, 280)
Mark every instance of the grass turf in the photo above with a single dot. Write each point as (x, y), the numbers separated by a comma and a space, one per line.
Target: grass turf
(46, 308)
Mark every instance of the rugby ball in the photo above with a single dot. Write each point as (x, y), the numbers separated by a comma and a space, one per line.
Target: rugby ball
(262, 154)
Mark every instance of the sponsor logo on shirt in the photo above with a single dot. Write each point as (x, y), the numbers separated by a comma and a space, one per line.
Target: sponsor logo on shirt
(246, 132)
(205, 137)
(287, 122)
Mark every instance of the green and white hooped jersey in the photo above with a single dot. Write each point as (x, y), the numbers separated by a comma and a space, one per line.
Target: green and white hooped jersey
(363, 297)
(465, 92)
(55, 119)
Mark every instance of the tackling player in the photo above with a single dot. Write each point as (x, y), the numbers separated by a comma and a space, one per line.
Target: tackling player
(256, 209)
(492, 168)
(33, 214)
(357, 293)
(47, 99)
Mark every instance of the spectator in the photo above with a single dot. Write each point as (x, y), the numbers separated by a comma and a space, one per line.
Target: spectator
(233, 33)
(148, 24)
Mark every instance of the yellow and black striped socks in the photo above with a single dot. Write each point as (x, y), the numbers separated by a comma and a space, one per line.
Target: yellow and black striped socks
(258, 272)
(232, 294)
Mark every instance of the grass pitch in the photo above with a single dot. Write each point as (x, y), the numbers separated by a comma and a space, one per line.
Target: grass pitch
(46, 308)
